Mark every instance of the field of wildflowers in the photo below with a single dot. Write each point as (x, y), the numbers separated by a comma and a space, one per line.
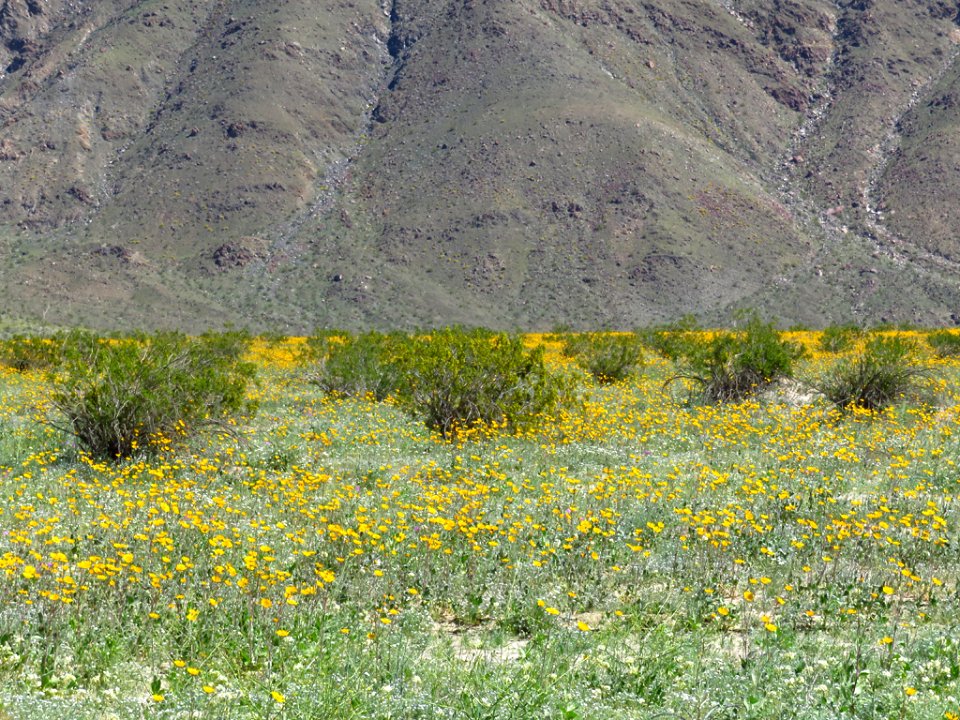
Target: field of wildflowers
(634, 556)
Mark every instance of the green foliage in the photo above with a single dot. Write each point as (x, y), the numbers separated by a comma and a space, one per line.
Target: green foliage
(317, 347)
(608, 357)
(361, 365)
(560, 333)
(944, 343)
(732, 365)
(456, 378)
(453, 378)
(673, 340)
(120, 396)
(30, 352)
(876, 377)
(839, 338)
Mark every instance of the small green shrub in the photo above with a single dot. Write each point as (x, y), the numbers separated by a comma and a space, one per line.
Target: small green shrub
(457, 378)
(608, 357)
(317, 347)
(732, 365)
(876, 377)
(120, 396)
(559, 333)
(360, 365)
(30, 352)
(839, 338)
(944, 343)
(674, 340)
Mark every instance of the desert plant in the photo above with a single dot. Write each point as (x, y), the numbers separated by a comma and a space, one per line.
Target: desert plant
(559, 333)
(876, 377)
(359, 365)
(839, 338)
(33, 352)
(317, 347)
(731, 365)
(608, 357)
(138, 393)
(457, 378)
(673, 340)
(944, 343)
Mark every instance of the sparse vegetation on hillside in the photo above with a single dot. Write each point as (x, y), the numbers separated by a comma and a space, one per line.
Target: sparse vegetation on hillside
(623, 164)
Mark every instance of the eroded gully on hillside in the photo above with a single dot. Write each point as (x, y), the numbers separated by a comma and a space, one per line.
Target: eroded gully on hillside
(883, 241)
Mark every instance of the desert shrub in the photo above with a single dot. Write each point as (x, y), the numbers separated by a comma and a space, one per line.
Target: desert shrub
(560, 333)
(457, 378)
(839, 338)
(360, 365)
(674, 340)
(888, 327)
(316, 349)
(944, 343)
(731, 365)
(120, 396)
(885, 370)
(608, 357)
(30, 352)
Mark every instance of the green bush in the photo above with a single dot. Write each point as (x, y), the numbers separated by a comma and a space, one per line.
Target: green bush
(839, 338)
(608, 357)
(317, 347)
(944, 343)
(133, 394)
(30, 352)
(559, 333)
(360, 365)
(876, 377)
(675, 340)
(456, 378)
(732, 365)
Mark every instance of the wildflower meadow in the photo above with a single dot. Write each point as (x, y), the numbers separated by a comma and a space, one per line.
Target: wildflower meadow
(635, 551)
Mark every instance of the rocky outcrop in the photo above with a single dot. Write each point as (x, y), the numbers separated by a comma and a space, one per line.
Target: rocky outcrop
(24, 25)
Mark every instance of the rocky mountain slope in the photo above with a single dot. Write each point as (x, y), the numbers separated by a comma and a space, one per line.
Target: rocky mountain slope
(517, 163)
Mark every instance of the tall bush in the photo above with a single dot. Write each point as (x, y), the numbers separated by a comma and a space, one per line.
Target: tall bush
(33, 352)
(733, 364)
(839, 338)
(885, 370)
(359, 365)
(609, 357)
(944, 343)
(456, 378)
(675, 340)
(121, 396)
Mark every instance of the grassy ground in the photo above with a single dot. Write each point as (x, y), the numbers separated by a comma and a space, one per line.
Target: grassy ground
(637, 558)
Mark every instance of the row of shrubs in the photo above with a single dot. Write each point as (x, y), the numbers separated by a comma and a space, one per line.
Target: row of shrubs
(735, 364)
(452, 378)
(460, 377)
(844, 338)
(118, 396)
